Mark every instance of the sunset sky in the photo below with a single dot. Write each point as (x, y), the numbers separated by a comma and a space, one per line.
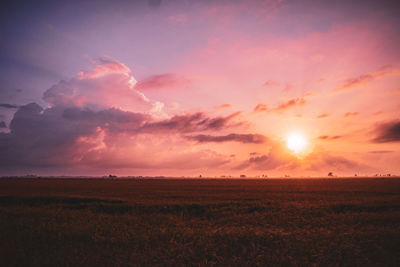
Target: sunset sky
(183, 88)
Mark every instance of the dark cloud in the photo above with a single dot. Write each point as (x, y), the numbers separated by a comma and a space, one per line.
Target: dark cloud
(262, 162)
(8, 106)
(3, 124)
(241, 138)
(167, 80)
(327, 137)
(41, 138)
(190, 123)
(62, 136)
(388, 132)
(112, 119)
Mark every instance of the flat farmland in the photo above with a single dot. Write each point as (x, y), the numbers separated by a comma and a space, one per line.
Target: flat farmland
(200, 222)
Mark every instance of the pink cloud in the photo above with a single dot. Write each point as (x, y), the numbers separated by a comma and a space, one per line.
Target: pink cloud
(106, 85)
(104, 68)
(223, 106)
(161, 81)
(282, 106)
(368, 77)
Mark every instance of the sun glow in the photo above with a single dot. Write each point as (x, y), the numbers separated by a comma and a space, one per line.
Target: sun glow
(296, 142)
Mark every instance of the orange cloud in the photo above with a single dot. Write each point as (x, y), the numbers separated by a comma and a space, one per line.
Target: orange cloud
(323, 115)
(327, 137)
(260, 108)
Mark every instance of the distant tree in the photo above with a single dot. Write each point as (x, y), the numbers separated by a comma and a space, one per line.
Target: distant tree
(330, 174)
(242, 176)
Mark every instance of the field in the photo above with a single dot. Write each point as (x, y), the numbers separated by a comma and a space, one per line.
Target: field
(176, 222)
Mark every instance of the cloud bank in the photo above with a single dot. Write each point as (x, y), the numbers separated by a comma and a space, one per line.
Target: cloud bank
(99, 120)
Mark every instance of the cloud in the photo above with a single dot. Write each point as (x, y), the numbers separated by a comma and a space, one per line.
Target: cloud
(381, 151)
(241, 138)
(112, 119)
(223, 106)
(261, 108)
(387, 132)
(191, 123)
(368, 77)
(8, 106)
(62, 137)
(350, 114)
(277, 158)
(106, 85)
(106, 67)
(327, 137)
(290, 103)
(323, 115)
(97, 120)
(282, 106)
(3, 124)
(161, 81)
(325, 162)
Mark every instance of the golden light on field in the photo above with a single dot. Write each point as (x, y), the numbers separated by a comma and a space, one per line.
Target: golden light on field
(296, 142)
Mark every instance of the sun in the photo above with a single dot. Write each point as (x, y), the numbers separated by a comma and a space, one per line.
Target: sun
(296, 142)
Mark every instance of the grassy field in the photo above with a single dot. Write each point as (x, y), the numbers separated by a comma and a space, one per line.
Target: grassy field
(155, 222)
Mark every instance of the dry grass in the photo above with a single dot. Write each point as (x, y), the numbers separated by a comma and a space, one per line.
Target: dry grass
(93, 222)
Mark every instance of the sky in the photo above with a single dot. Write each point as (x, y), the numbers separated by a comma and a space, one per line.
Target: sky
(189, 88)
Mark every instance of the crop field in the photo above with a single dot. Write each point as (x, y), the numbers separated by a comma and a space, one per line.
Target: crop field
(200, 222)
